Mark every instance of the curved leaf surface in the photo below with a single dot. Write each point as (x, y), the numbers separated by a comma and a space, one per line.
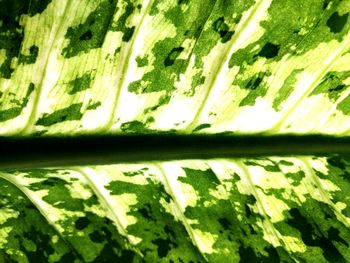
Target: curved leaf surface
(290, 209)
(176, 66)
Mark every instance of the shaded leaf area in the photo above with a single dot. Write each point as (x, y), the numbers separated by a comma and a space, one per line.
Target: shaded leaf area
(25, 234)
(234, 240)
(138, 198)
(290, 209)
(77, 224)
(175, 66)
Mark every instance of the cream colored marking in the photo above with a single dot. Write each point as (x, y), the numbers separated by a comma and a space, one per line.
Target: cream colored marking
(50, 54)
(124, 61)
(54, 239)
(204, 241)
(78, 190)
(2, 56)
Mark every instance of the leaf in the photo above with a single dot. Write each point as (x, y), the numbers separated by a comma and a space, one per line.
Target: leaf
(292, 209)
(265, 67)
(176, 66)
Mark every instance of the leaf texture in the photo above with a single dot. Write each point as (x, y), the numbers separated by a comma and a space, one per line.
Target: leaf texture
(290, 209)
(263, 66)
(176, 66)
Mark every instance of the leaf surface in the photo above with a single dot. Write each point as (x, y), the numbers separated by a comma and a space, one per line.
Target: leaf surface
(176, 66)
(265, 67)
(291, 209)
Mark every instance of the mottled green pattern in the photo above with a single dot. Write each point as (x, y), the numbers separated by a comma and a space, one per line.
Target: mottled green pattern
(77, 223)
(25, 234)
(159, 236)
(11, 33)
(244, 210)
(182, 66)
(17, 106)
(91, 33)
(175, 66)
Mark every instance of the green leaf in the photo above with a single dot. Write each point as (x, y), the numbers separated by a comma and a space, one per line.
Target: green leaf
(292, 209)
(265, 67)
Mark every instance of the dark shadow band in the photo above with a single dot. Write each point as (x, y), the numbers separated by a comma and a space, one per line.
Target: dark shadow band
(31, 152)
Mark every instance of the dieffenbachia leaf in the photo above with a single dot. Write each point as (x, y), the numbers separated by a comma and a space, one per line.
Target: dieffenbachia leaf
(246, 66)
(291, 209)
(176, 66)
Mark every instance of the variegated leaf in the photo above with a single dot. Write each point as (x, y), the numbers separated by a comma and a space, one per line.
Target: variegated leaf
(243, 66)
(291, 209)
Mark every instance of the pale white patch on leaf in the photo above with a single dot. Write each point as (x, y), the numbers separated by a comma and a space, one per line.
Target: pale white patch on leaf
(205, 241)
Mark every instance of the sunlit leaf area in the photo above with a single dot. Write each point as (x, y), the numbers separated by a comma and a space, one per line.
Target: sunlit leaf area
(181, 67)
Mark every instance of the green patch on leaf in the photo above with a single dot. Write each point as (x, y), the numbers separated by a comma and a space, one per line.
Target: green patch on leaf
(286, 90)
(17, 110)
(332, 84)
(337, 22)
(256, 87)
(141, 62)
(223, 29)
(201, 127)
(79, 84)
(344, 105)
(11, 33)
(122, 23)
(31, 58)
(38, 6)
(70, 113)
(91, 33)
(134, 127)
